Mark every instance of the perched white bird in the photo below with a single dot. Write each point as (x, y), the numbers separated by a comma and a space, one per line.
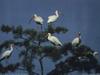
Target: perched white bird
(95, 53)
(37, 19)
(76, 42)
(54, 40)
(7, 53)
(53, 18)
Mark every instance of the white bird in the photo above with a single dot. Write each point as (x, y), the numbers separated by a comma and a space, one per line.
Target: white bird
(96, 54)
(76, 42)
(54, 40)
(38, 19)
(7, 53)
(53, 18)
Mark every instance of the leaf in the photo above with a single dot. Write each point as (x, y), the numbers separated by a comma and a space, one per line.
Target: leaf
(31, 32)
(61, 29)
(18, 30)
(6, 28)
(50, 29)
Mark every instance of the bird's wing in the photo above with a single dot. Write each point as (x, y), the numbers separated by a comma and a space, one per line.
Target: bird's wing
(38, 19)
(56, 40)
(52, 16)
(76, 40)
(41, 19)
(6, 53)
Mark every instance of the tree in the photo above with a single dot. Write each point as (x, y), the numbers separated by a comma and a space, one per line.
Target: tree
(32, 44)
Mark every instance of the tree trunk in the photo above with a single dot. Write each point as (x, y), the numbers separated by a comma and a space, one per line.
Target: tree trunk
(41, 65)
(30, 72)
(28, 62)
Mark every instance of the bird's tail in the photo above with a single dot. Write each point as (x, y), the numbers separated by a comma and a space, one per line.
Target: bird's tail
(60, 44)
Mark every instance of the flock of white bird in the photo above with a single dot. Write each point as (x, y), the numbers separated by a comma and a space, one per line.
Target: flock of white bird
(39, 20)
(52, 18)
(54, 40)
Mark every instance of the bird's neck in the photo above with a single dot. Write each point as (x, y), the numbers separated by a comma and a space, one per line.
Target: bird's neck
(78, 36)
(57, 14)
(11, 48)
(35, 15)
(49, 35)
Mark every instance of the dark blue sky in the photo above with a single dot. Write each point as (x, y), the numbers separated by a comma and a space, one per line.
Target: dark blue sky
(76, 15)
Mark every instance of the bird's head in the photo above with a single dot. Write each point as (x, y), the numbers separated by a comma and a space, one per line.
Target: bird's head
(35, 15)
(49, 34)
(78, 34)
(58, 13)
(12, 45)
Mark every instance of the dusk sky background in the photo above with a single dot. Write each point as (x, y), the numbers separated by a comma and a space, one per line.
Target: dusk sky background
(76, 15)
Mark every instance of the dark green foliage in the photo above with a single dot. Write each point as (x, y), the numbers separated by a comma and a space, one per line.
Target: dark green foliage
(61, 29)
(74, 64)
(41, 37)
(58, 29)
(17, 31)
(6, 28)
(10, 67)
(52, 52)
(33, 41)
(31, 32)
(50, 29)
(86, 63)
(6, 43)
